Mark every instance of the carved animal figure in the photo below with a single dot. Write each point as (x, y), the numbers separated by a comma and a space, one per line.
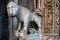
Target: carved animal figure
(23, 15)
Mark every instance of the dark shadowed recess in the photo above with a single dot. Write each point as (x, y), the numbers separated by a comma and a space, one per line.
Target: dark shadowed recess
(5, 31)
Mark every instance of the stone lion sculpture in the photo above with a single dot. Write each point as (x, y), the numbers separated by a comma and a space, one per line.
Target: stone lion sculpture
(24, 15)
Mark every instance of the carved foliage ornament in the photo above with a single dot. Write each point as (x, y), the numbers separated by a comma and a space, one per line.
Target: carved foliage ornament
(48, 17)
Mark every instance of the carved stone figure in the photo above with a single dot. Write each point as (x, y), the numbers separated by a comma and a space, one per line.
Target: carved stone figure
(23, 15)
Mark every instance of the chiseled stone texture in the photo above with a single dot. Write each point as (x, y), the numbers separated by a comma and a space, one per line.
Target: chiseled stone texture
(35, 36)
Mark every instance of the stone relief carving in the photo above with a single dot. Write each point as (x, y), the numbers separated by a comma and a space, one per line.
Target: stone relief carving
(48, 7)
(49, 16)
(24, 15)
(51, 20)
